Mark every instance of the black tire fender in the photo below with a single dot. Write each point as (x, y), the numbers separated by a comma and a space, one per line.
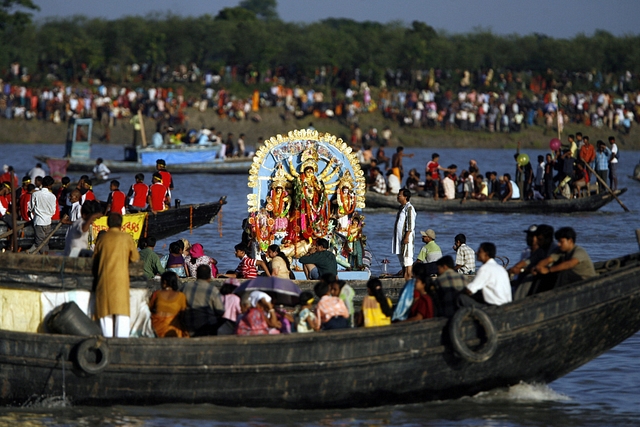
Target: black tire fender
(612, 264)
(100, 347)
(487, 350)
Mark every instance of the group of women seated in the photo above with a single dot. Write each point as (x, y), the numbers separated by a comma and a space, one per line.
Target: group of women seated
(256, 314)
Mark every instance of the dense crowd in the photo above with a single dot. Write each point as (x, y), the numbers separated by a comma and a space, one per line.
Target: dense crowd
(501, 103)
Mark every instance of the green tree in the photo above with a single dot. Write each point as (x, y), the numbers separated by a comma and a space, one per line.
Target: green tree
(264, 9)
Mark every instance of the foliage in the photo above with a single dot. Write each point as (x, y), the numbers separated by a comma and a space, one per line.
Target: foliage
(253, 39)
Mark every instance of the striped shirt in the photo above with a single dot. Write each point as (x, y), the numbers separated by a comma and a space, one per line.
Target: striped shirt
(466, 257)
(247, 268)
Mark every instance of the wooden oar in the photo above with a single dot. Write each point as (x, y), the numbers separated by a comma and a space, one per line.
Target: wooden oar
(46, 239)
(606, 186)
(10, 232)
(638, 236)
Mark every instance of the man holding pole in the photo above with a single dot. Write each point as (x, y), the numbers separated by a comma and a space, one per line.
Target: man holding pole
(42, 208)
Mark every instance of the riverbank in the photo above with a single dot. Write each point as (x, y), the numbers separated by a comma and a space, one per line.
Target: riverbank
(23, 131)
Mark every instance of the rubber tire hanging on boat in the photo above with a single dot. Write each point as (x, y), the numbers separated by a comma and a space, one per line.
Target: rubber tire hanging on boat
(91, 345)
(487, 350)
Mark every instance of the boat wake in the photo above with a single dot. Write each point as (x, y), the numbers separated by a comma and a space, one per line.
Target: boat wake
(47, 402)
(524, 392)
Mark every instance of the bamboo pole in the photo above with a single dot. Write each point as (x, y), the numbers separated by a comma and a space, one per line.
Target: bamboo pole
(606, 186)
(142, 131)
(46, 239)
(14, 215)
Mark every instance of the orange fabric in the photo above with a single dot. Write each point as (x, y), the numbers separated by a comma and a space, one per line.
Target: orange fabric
(166, 309)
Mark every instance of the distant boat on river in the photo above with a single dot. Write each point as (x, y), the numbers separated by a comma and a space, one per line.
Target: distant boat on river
(428, 204)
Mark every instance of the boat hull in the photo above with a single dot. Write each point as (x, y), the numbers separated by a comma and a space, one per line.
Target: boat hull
(219, 166)
(426, 204)
(161, 225)
(539, 338)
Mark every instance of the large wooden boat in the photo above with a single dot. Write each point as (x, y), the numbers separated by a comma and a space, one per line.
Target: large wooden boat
(536, 339)
(427, 204)
(161, 225)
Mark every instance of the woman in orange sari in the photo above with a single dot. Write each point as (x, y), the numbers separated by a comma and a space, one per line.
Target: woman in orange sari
(167, 306)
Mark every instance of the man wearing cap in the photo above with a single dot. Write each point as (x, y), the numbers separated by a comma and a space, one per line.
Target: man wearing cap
(430, 252)
(158, 199)
(167, 179)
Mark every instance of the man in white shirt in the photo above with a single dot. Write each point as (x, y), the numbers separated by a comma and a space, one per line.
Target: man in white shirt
(100, 170)
(613, 164)
(37, 171)
(492, 279)
(42, 206)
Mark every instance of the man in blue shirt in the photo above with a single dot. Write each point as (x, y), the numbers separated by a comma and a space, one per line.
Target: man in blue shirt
(603, 154)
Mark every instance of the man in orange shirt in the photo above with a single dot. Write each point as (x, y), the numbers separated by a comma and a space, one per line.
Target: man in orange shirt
(587, 152)
(167, 179)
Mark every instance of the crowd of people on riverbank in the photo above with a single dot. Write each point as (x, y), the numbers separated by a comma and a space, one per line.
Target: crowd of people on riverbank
(490, 107)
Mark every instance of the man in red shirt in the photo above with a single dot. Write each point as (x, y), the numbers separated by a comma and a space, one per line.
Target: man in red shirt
(116, 200)
(248, 267)
(87, 191)
(167, 179)
(5, 202)
(25, 198)
(137, 195)
(158, 199)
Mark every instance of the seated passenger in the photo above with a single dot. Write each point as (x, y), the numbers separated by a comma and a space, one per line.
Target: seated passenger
(205, 305)
(492, 279)
(340, 289)
(422, 307)
(448, 285)
(568, 264)
(232, 309)
(407, 294)
(174, 261)
(248, 267)
(541, 247)
(258, 316)
(196, 257)
(376, 307)
(306, 320)
(331, 311)
(167, 306)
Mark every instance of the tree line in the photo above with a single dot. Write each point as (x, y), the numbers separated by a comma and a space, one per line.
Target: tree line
(253, 38)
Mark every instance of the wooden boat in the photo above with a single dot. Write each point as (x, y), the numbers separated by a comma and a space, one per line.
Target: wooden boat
(181, 158)
(536, 339)
(217, 166)
(427, 204)
(160, 225)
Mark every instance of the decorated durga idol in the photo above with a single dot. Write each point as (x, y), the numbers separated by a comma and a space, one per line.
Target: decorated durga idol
(308, 185)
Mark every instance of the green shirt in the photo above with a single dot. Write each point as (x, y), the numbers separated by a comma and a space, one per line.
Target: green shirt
(324, 260)
(430, 252)
(152, 265)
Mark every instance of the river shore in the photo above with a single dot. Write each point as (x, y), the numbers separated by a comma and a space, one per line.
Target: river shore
(33, 131)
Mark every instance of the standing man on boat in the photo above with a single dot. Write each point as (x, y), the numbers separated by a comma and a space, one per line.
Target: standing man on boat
(404, 233)
(613, 164)
(42, 207)
(113, 253)
(603, 155)
(167, 179)
(492, 279)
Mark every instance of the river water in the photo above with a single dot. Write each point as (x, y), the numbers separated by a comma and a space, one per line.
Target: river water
(603, 392)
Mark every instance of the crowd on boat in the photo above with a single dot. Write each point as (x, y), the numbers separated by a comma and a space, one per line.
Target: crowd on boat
(437, 286)
(566, 172)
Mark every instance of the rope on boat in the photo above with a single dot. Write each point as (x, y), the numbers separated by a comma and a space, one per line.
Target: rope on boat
(146, 225)
(220, 221)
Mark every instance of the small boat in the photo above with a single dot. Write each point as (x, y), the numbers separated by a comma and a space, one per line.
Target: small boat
(427, 204)
(161, 225)
(215, 166)
(181, 158)
(536, 339)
